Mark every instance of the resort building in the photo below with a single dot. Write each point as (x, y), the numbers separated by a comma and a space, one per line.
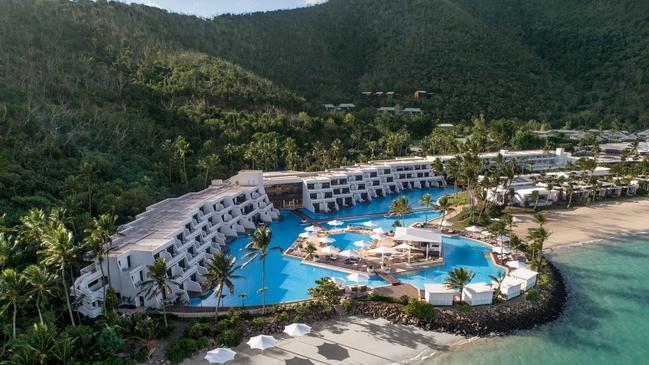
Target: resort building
(527, 161)
(477, 294)
(185, 232)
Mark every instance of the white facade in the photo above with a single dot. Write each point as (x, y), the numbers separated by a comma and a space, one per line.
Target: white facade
(477, 294)
(510, 287)
(438, 294)
(185, 232)
(527, 277)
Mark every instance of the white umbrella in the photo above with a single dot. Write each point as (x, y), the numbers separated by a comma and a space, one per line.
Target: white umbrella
(516, 220)
(500, 250)
(517, 265)
(350, 254)
(335, 222)
(297, 329)
(379, 230)
(446, 223)
(474, 229)
(358, 277)
(262, 342)
(404, 246)
(362, 244)
(220, 355)
(306, 234)
(377, 237)
(337, 281)
(330, 250)
(312, 229)
(370, 224)
(326, 240)
(383, 251)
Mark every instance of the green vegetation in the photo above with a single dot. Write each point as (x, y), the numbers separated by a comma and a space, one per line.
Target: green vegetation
(532, 295)
(420, 310)
(458, 278)
(220, 273)
(258, 249)
(326, 292)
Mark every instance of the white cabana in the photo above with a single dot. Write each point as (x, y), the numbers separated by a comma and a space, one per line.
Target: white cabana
(377, 237)
(313, 229)
(510, 287)
(477, 294)
(527, 276)
(335, 222)
(432, 238)
(220, 355)
(517, 265)
(357, 278)
(330, 250)
(362, 244)
(379, 230)
(501, 250)
(326, 240)
(474, 229)
(350, 254)
(262, 342)
(306, 234)
(336, 280)
(297, 329)
(369, 224)
(445, 223)
(438, 294)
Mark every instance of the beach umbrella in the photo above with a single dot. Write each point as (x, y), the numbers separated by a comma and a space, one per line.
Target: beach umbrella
(220, 355)
(337, 281)
(517, 265)
(330, 250)
(297, 329)
(404, 246)
(306, 234)
(335, 222)
(446, 223)
(500, 250)
(313, 229)
(370, 224)
(357, 277)
(379, 230)
(350, 254)
(326, 240)
(362, 244)
(377, 237)
(475, 229)
(383, 251)
(262, 342)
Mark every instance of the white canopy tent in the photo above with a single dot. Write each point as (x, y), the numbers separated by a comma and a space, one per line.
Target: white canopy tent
(527, 276)
(429, 237)
(478, 294)
(517, 265)
(438, 294)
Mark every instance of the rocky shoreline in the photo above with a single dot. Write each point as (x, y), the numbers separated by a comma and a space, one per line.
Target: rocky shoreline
(499, 319)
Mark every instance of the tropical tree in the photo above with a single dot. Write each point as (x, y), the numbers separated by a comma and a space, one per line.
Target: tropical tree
(426, 201)
(220, 273)
(538, 236)
(443, 205)
(515, 243)
(209, 163)
(41, 285)
(570, 191)
(458, 278)
(59, 252)
(258, 249)
(540, 219)
(11, 294)
(7, 249)
(535, 196)
(498, 280)
(243, 296)
(159, 283)
(400, 207)
(99, 241)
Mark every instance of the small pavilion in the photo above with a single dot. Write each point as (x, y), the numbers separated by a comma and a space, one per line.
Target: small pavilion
(425, 239)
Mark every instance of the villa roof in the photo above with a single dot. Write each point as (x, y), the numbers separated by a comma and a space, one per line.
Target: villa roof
(417, 235)
(524, 274)
(509, 282)
(438, 289)
(479, 288)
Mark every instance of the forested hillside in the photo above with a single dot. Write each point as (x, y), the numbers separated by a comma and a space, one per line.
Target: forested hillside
(107, 107)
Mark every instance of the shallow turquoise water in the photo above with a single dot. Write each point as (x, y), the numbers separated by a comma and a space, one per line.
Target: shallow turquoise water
(345, 241)
(606, 320)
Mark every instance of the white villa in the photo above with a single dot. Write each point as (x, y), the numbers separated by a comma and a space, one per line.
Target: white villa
(185, 231)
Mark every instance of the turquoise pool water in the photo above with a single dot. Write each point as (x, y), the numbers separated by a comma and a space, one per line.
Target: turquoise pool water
(345, 241)
(382, 205)
(605, 322)
(387, 223)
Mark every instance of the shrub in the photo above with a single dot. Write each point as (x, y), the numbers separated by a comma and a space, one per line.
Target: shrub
(326, 292)
(301, 310)
(229, 337)
(532, 295)
(544, 281)
(184, 348)
(378, 297)
(281, 317)
(258, 322)
(347, 305)
(404, 299)
(420, 310)
(196, 330)
(462, 307)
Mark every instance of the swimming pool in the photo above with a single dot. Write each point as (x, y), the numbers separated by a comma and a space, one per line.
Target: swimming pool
(287, 279)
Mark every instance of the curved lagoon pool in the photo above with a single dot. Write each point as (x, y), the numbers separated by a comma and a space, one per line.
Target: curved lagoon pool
(287, 279)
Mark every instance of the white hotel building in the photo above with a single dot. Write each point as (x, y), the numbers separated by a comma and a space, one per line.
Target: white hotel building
(184, 231)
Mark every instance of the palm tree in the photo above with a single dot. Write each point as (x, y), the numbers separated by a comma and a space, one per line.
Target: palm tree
(535, 196)
(540, 219)
(243, 296)
(40, 283)
(570, 191)
(427, 201)
(458, 278)
(400, 207)
(59, 252)
(11, 287)
(309, 249)
(159, 283)
(444, 206)
(498, 279)
(220, 273)
(515, 243)
(538, 236)
(7, 249)
(99, 242)
(258, 248)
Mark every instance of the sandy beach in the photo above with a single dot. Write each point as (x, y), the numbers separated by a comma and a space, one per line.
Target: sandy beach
(592, 223)
(349, 340)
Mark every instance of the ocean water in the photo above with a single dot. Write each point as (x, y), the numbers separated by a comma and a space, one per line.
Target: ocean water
(606, 321)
